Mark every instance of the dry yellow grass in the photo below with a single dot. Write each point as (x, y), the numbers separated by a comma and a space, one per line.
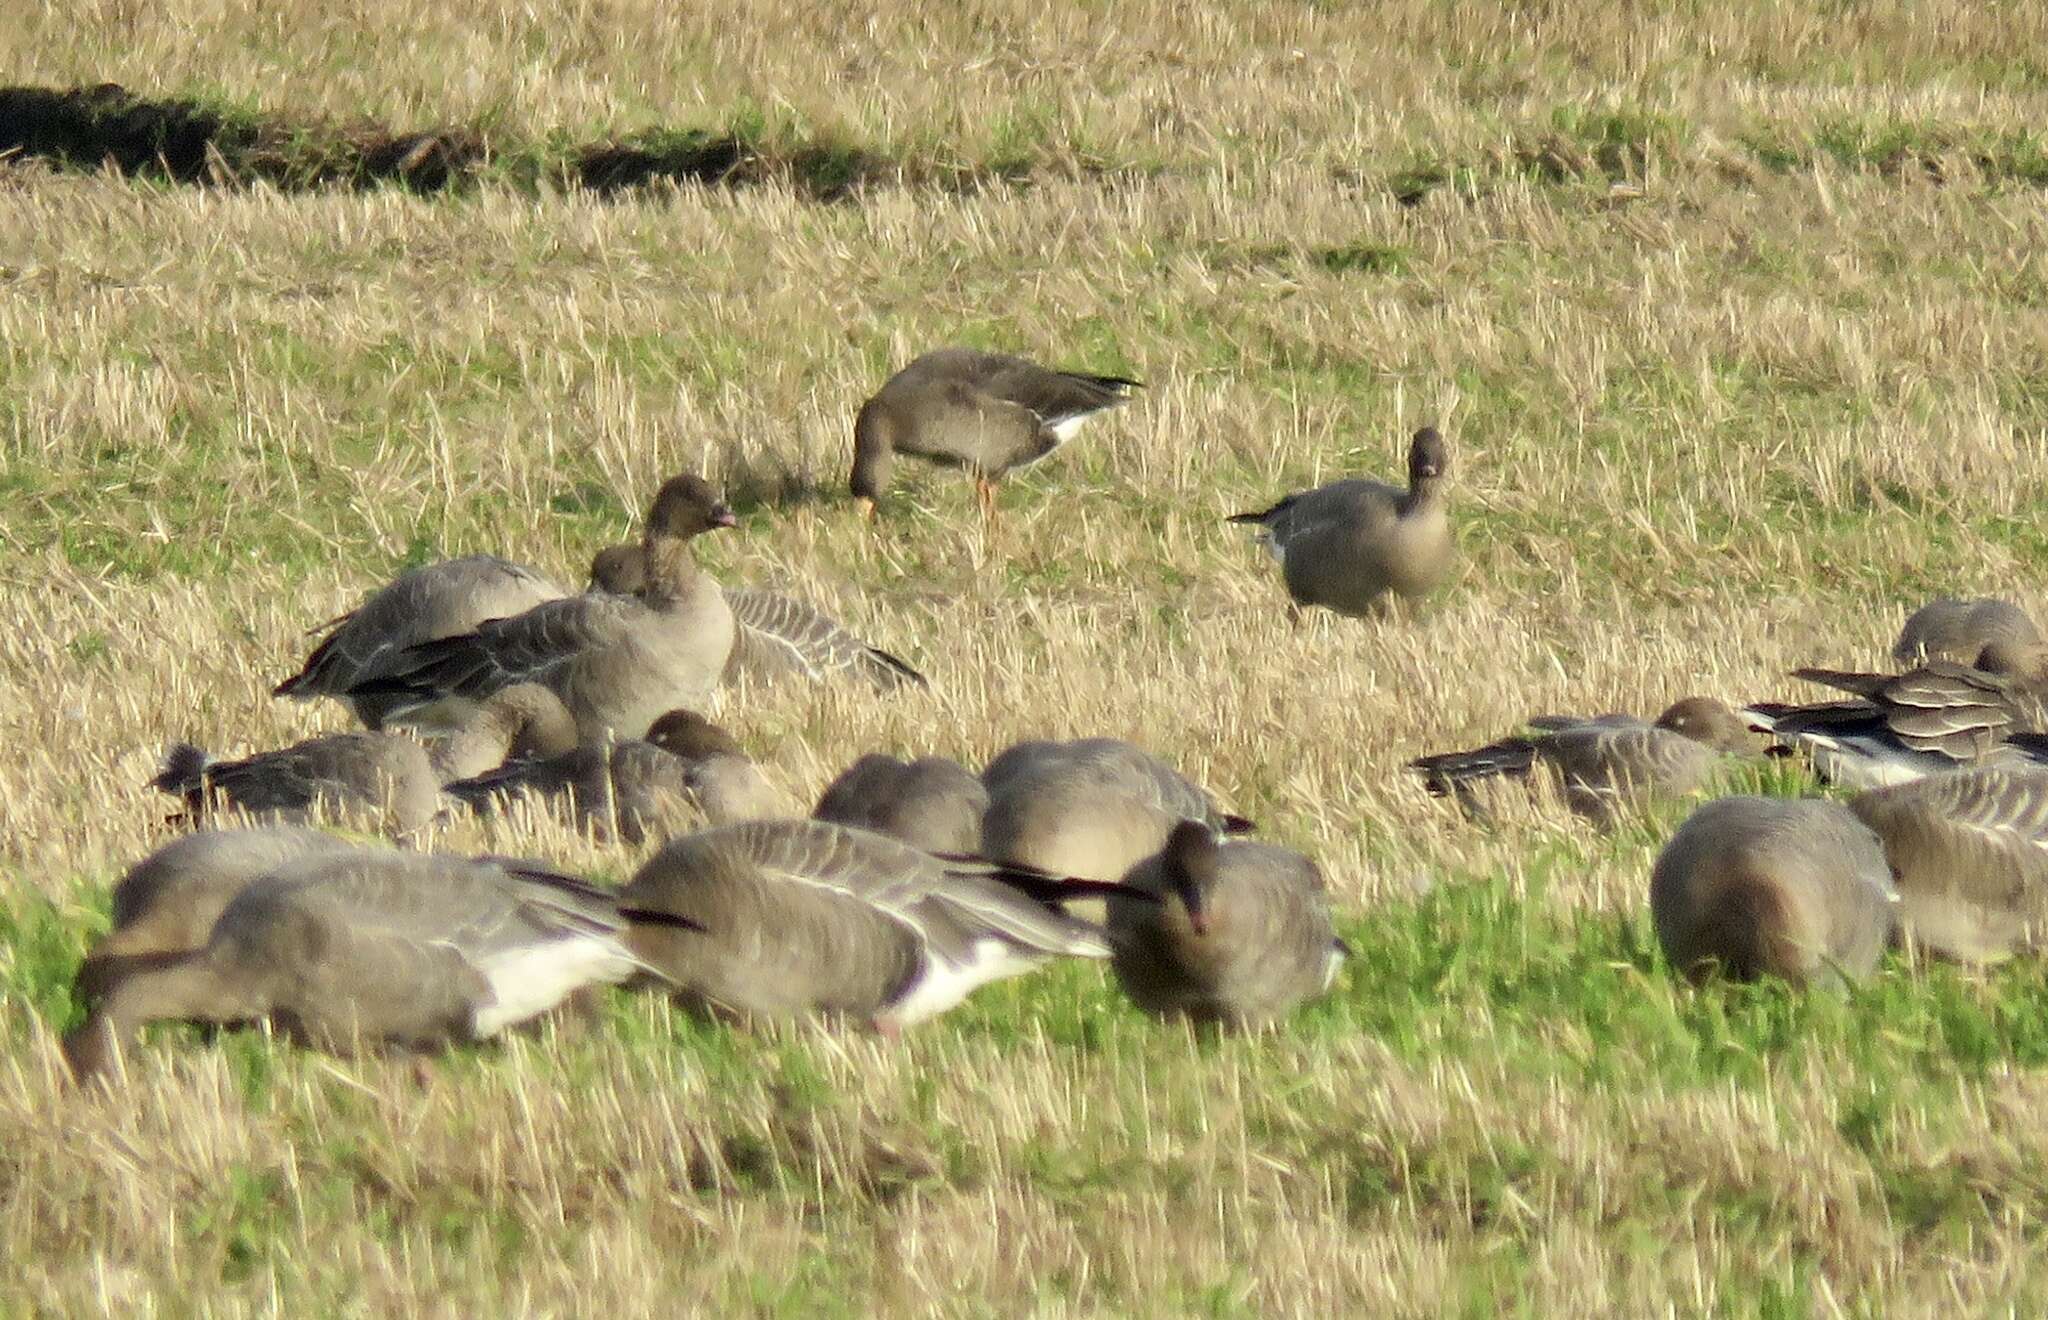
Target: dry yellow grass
(1723, 419)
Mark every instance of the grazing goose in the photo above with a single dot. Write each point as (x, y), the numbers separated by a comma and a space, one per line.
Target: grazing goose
(777, 636)
(930, 803)
(424, 604)
(166, 904)
(1606, 763)
(1093, 807)
(1931, 719)
(617, 662)
(1959, 630)
(381, 947)
(985, 412)
(1232, 933)
(805, 916)
(628, 790)
(1759, 886)
(385, 776)
(1347, 545)
(1969, 856)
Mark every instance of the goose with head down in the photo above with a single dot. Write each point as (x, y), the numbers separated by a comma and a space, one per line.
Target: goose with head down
(807, 916)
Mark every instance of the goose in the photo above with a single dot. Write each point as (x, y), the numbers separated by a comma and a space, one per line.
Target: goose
(1349, 545)
(385, 777)
(985, 412)
(381, 947)
(616, 662)
(1959, 630)
(165, 904)
(1231, 933)
(1092, 807)
(805, 916)
(423, 604)
(1756, 886)
(931, 803)
(520, 723)
(1969, 857)
(777, 635)
(1931, 719)
(1607, 762)
(630, 788)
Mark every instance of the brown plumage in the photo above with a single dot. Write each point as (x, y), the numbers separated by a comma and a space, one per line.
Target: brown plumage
(166, 904)
(777, 635)
(1933, 718)
(984, 412)
(639, 786)
(931, 803)
(1754, 886)
(1969, 856)
(1959, 630)
(1351, 545)
(810, 917)
(1092, 807)
(1233, 933)
(386, 780)
(379, 946)
(617, 662)
(1608, 763)
(424, 604)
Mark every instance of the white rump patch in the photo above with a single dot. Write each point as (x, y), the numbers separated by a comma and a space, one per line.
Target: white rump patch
(533, 978)
(943, 984)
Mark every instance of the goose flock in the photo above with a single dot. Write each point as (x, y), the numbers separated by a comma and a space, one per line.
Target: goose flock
(480, 682)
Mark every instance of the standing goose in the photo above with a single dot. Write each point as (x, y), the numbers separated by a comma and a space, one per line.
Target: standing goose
(1931, 719)
(985, 412)
(166, 904)
(1756, 886)
(384, 776)
(1348, 545)
(1232, 933)
(777, 636)
(1093, 807)
(628, 790)
(1607, 763)
(424, 604)
(1969, 856)
(931, 803)
(811, 917)
(1959, 630)
(617, 662)
(381, 947)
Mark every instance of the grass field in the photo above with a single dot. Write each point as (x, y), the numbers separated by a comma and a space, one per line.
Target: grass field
(1733, 314)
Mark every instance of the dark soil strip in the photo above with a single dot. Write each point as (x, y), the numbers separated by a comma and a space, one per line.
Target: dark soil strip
(191, 142)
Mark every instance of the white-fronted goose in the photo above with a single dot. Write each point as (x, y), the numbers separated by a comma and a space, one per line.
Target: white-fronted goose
(632, 788)
(1093, 807)
(1931, 719)
(985, 412)
(424, 604)
(1757, 886)
(778, 636)
(166, 904)
(380, 947)
(617, 662)
(1348, 545)
(385, 777)
(1607, 763)
(931, 803)
(1969, 856)
(1959, 630)
(1233, 933)
(811, 917)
